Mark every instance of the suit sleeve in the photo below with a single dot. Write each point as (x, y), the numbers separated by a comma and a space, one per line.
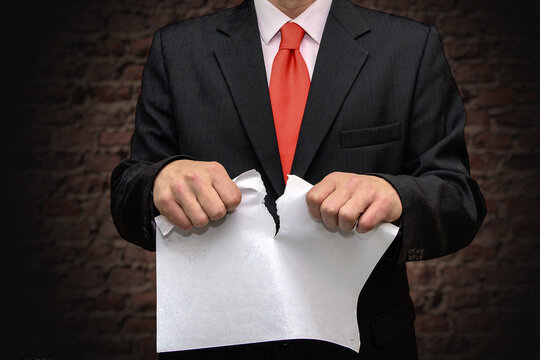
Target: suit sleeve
(442, 205)
(153, 146)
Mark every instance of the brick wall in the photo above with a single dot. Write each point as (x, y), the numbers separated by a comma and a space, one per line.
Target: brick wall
(72, 286)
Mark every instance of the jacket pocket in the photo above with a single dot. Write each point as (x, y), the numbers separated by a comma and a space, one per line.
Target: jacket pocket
(370, 136)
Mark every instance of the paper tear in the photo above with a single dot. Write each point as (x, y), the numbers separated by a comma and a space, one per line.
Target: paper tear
(235, 282)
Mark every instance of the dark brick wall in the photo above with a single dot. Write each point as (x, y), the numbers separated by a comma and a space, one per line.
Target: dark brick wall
(74, 290)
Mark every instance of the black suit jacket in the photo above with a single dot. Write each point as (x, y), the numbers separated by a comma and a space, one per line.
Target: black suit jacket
(382, 101)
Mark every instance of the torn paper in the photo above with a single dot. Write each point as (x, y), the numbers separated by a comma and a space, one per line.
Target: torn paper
(234, 282)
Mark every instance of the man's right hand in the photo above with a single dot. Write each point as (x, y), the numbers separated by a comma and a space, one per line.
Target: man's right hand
(191, 193)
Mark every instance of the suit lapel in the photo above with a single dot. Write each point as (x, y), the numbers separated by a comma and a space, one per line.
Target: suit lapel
(241, 60)
(339, 61)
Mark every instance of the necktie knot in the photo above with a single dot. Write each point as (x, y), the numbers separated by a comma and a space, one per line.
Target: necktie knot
(291, 36)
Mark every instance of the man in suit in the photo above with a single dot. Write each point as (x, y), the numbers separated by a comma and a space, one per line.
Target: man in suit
(381, 137)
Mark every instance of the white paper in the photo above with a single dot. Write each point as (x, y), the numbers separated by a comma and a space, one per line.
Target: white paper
(234, 282)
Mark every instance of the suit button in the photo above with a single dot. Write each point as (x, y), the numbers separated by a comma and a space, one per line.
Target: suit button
(284, 344)
(415, 254)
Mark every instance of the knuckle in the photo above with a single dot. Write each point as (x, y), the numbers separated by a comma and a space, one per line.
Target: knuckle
(384, 204)
(231, 199)
(158, 199)
(221, 213)
(332, 176)
(314, 213)
(178, 188)
(200, 221)
(347, 215)
(329, 209)
(236, 198)
(313, 197)
(366, 223)
(330, 222)
(185, 225)
(218, 213)
(165, 205)
(214, 167)
(369, 189)
(191, 176)
(338, 175)
(354, 183)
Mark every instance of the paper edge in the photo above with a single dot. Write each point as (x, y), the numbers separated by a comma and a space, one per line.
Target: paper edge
(250, 179)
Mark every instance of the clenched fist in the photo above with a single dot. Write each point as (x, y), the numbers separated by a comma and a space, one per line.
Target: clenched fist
(191, 193)
(344, 200)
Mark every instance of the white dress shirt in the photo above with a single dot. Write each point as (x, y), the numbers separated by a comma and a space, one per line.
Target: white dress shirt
(271, 19)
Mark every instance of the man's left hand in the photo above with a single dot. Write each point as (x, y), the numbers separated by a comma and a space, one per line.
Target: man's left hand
(344, 200)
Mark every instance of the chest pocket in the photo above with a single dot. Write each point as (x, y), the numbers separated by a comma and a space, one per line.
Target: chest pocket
(370, 136)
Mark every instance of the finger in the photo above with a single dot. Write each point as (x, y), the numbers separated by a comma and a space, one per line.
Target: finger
(228, 192)
(348, 214)
(371, 218)
(186, 198)
(225, 188)
(211, 203)
(317, 195)
(332, 205)
(178, 217)
(174, 213)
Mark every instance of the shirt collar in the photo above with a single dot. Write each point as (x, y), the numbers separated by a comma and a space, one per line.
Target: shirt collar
(312, 20)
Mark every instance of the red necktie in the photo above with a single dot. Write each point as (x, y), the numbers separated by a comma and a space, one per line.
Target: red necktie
(289, 87)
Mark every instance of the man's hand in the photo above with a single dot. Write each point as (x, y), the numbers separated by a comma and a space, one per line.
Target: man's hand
(190, 193)
(344, 200)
